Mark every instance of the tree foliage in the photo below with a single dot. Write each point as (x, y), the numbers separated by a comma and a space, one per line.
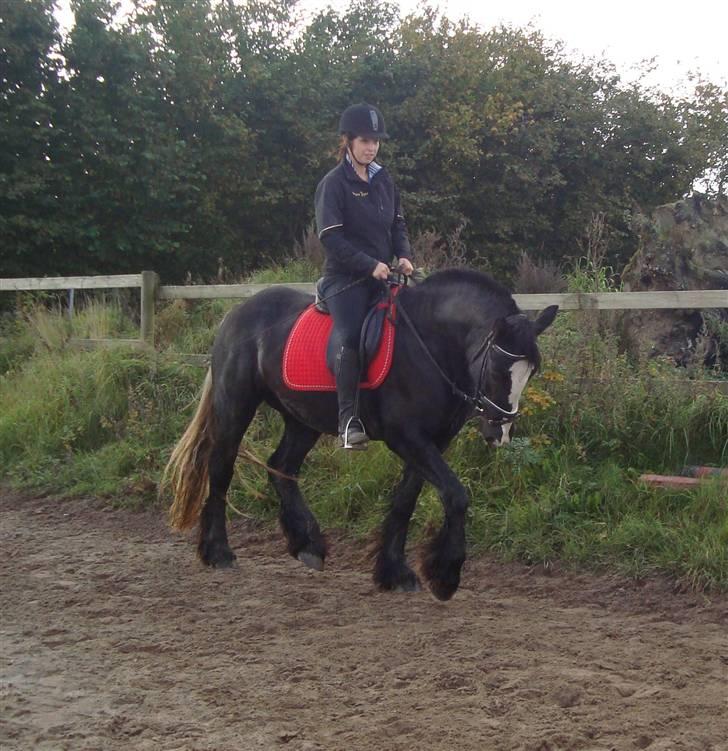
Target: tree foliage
(189, 137)
(28, 72)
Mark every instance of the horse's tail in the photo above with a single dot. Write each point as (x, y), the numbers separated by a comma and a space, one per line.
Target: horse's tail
(186, 473)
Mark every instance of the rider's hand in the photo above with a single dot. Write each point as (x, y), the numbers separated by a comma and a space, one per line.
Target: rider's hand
(405, 266)
(381, 271)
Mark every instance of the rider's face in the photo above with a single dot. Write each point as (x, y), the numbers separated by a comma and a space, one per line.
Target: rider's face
(364, 150)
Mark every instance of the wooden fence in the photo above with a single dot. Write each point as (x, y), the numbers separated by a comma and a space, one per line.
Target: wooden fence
(151, 291)
(147, 282)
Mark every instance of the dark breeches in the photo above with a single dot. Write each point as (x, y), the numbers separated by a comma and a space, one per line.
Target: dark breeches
(349, 308)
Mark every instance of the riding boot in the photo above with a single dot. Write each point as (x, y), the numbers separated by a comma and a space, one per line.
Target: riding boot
(351, 430)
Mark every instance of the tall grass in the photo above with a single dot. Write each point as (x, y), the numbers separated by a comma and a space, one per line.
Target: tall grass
(566, 489)
(97, 422)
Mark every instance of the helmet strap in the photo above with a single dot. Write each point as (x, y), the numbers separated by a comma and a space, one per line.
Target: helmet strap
(351, 154)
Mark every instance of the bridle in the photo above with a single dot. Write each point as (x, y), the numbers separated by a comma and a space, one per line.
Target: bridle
(478, 399)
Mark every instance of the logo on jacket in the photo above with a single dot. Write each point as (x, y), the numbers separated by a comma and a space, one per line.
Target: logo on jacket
(360, 194)
(375, 121)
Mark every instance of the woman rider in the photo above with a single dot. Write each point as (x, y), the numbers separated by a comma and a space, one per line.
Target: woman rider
(360, 223)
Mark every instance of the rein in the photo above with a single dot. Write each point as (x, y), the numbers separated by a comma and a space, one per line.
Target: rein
(478, 399)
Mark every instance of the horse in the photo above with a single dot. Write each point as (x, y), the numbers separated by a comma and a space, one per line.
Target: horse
(462, 348)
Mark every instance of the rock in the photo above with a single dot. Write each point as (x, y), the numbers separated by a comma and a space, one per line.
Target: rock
(567, 696)
(683, 246)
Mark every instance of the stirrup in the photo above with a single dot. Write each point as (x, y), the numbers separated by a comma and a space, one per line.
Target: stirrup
(353, 436)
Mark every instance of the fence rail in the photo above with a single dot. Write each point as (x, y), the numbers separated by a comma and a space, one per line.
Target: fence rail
(223, 291)
(664, 300)
(72, 282)
(151, 291)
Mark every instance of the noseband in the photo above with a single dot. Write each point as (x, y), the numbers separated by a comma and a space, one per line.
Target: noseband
(478, 399)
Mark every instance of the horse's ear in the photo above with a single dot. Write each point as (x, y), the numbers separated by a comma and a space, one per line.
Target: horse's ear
(545, 318)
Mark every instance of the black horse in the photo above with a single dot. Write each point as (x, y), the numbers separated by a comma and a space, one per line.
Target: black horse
(462, 347)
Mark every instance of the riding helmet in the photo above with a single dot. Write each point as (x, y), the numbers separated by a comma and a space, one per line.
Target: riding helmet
(363, 120)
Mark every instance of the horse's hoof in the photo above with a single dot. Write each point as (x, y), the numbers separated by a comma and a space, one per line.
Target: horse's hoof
(442, 574)
(409, 586)
(311, 560)
(396, 579)
(443, 581)
(443, 590)
(224, 561)
(216, 557)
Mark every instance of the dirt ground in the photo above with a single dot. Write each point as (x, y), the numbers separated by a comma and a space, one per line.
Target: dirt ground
(112, 636)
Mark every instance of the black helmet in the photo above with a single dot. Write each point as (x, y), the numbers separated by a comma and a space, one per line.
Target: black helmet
(363, 120)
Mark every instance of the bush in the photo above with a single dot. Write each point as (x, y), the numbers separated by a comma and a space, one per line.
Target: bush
(534, 277)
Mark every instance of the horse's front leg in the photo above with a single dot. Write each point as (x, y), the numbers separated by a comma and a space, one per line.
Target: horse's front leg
(445, 555)
(391, 571)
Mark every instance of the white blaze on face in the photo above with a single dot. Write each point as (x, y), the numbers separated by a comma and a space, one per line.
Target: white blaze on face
(520, 373)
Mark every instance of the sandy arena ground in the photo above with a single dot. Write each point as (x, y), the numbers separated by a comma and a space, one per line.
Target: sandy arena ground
(113, 636)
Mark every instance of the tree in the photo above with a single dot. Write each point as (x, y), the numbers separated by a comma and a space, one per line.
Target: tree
(705, 121)
(28, 71)
(191, 135)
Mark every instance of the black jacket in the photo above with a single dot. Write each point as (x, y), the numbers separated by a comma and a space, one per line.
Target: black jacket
(359, 223)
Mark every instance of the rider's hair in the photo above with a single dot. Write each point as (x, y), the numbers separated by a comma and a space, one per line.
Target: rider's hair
(344, 143)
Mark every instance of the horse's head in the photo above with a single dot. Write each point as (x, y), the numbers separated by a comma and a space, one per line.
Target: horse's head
(510, 357)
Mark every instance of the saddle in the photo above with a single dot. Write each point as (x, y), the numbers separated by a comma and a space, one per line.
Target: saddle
(310, 352)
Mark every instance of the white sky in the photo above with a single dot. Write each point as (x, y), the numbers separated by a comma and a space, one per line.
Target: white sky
(681, 36)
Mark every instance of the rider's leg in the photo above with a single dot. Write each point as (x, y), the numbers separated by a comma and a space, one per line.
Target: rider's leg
(348, 375)
(348, 304)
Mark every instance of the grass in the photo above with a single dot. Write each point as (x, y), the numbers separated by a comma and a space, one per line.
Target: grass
(566, 489)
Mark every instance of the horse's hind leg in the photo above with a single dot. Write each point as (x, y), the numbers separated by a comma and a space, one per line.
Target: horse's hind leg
(230, 426)
(299, 525)
(390, 569)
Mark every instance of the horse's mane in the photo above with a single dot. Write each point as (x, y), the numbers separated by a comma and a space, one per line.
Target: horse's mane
(468, 296)
(472, 288)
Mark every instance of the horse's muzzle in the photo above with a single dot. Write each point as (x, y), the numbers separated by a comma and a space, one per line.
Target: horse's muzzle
(496, 434)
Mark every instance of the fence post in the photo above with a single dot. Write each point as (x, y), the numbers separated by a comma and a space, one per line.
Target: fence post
(150, 282)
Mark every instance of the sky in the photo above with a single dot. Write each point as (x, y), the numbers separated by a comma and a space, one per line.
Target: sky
(680, 37)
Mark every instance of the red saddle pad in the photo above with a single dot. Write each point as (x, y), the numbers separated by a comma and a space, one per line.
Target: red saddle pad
(304, 357)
